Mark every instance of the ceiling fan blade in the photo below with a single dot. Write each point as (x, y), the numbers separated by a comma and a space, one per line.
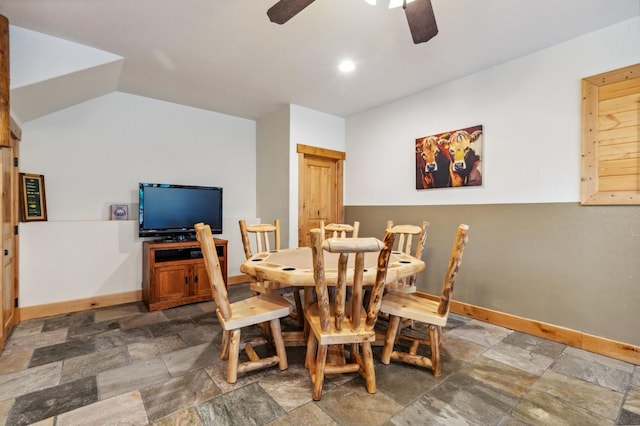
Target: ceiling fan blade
(422, 21)
(284, 10)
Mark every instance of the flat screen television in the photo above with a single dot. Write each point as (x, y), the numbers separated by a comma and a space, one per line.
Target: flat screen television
(170, 211)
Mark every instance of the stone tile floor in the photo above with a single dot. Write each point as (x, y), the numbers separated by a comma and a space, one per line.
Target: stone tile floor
(124, 365)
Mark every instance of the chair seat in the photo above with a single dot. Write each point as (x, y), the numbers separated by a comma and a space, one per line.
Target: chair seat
(334, 337)
(417, 306)
(421, 307)
(256, 309)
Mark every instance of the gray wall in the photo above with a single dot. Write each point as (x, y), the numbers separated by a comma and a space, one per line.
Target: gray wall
(272, 170)
(560, 263)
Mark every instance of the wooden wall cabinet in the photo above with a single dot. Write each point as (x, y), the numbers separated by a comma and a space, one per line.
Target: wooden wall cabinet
(173, 273)
(611, 138)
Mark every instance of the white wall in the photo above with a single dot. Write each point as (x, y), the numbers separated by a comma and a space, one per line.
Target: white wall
(530, 110)
(313, 128)
(63, 261)
(93, 155)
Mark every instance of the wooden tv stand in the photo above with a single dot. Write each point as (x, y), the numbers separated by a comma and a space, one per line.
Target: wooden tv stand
(173, 273)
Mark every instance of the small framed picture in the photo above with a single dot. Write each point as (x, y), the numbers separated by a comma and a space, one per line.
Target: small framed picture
(119, 212)
(33, 202)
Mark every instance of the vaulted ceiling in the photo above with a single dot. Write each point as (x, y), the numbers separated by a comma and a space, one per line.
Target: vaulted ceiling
(225, 55)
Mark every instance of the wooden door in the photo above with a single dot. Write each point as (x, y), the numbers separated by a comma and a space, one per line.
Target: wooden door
(9, 318)
(10, 134)
(319, 189)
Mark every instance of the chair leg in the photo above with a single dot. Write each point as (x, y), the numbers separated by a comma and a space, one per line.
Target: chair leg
(335, 355)
(224, 350)
(265, 330)
(390, 339)
(311, 352)
(435, 336)
(353, 352)
(299, 313)
(318, 379)
(309, 297)
(234, 353)
(366, 298)
(278, 341)
(369, 369)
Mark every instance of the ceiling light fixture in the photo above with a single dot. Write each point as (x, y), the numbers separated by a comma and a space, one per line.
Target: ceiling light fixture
(420, 16)
(347, 66)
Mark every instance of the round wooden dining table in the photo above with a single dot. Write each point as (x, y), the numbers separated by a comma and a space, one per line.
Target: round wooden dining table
(295, 266)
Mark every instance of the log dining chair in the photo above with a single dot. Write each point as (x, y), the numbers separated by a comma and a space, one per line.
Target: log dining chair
(234, 316)
(422, 307)
(406, 236)
(340, 230)
(336, 322)
(267, 238)
(404, 242)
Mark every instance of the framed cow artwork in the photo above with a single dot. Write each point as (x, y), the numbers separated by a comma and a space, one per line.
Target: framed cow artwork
(450, 159)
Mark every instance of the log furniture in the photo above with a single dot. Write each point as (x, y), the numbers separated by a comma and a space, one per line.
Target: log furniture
(264, 234)
(420, 307)
(404, 243)
(337, 321)
(294, 266)
(235, 316)
(340, 230)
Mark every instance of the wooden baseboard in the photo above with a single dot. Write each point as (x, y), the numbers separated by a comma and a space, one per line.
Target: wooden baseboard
(600, 345)
(39, 311)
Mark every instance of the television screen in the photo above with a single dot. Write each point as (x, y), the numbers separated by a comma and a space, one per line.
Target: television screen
(171, 211)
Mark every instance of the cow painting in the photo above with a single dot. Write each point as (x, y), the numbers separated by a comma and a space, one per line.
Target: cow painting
(432, 164)
(463, 156)
(450, 159)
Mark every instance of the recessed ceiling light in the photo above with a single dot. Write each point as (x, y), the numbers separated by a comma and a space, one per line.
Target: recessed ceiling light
(347, 65)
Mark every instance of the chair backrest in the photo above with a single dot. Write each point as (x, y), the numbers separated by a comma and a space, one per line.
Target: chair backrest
(460, 242)
(340, 230)
(405, 235)
(262, 232)
(346, 246)
(212, 264)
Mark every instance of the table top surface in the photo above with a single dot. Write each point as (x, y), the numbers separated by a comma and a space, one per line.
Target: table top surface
(295, 266)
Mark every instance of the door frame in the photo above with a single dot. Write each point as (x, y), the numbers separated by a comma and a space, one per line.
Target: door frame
(338, 157)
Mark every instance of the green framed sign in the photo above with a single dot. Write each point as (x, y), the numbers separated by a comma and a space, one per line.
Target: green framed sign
(33, 203)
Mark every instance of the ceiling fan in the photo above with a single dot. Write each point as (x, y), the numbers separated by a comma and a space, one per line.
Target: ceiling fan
(420, 16)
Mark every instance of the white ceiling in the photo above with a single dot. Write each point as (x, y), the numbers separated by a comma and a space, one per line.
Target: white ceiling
(225, 55)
